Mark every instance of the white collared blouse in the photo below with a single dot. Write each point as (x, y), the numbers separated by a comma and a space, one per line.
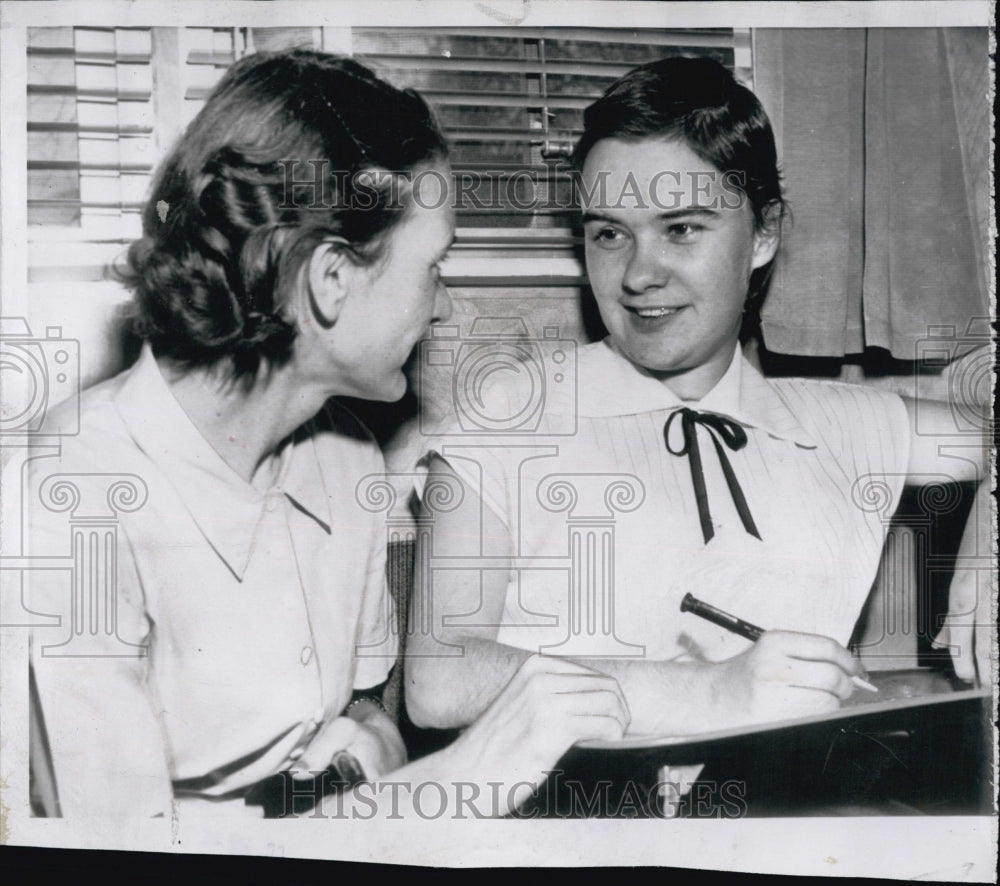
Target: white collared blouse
(604, 530)
(239, 620)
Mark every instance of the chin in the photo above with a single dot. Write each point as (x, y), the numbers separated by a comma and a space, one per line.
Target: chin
(392, 390)
(653, 362)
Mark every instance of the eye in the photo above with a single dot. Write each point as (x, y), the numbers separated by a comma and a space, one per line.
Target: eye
(684, 232)
(608, 238)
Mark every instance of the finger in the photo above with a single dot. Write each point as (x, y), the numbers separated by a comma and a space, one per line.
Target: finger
(592, 682)
(540, 664)
(816, 675)
(962, 598)
(943, 639)
(372, 755)
(547, 675)
(598, 727)
(791, 702)
(605, 703)
(598, 702)
(984, 644)
(554, 665)
(334, 736)
(813, 647)
(962, 651)
(962, 641)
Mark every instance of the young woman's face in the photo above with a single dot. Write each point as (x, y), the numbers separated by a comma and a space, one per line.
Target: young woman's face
(670, 246)
(393, 302)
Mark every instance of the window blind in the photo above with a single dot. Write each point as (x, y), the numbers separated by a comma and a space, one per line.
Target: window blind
(105, 103)
(511, 102)
(90, 126)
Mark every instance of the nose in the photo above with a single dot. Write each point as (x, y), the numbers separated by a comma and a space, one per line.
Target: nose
(647, 269)
(442, 305)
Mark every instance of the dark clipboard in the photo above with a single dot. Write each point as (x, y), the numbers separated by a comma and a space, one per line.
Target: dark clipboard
(922, 745)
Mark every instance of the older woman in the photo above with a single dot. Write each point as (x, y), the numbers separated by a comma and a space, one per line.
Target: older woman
(291, 254)
(766, 498)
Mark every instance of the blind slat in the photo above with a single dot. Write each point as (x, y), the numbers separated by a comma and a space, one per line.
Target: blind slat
(502, 65)
(83, 57)
(90, 204)
(212, 59)
(711, 38)
(78, 128)
(121, 95)
(578, 101)
(45, 165)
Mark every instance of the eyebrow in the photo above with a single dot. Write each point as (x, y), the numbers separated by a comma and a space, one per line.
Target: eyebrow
(669, 215)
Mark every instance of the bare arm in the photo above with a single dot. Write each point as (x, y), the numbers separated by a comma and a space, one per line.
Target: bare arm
(970, 625)
(946, 444)
(453, 672)
(548, 706)
(952, 444)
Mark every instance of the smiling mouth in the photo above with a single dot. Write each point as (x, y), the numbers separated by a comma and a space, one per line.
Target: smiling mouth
(653, 313)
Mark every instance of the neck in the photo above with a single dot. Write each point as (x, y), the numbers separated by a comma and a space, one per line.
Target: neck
(694, 384)
(243, 422)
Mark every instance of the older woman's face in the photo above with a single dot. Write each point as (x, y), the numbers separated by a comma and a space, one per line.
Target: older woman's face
(670, 245)
(395, 301)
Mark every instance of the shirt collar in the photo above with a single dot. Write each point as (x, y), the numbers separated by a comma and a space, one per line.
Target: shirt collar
(610, 384)
(226, 509)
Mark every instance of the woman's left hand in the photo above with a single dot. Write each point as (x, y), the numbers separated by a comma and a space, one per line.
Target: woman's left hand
(969, 627)
(367, 732)
(378, 745)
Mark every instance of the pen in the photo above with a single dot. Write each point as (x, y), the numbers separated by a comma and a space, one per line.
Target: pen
(741, 628)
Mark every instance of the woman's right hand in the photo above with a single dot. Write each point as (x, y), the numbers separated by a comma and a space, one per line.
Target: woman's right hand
(782, 676)
(549, 705)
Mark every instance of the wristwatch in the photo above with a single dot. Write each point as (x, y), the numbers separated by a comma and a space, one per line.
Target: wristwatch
(282, 796)
(348, 769)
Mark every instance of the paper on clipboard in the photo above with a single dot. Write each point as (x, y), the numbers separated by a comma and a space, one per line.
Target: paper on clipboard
(898, 690)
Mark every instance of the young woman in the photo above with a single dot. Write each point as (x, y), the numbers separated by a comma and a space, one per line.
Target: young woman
(291, 253)
(768, 499)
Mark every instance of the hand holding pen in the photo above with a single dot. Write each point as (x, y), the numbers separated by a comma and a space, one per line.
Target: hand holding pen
(784, 675)
(744, 629)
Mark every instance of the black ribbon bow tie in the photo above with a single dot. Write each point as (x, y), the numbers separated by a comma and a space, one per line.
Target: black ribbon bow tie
(730, 433)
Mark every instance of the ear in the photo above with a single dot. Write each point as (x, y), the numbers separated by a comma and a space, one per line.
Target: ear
(767, 238)
(330, 273)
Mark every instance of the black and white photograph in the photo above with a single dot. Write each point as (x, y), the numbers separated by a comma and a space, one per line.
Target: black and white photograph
(505, 434)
